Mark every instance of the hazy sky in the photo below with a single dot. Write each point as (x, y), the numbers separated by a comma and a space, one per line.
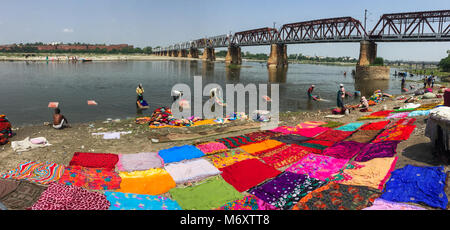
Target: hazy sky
(152, 23)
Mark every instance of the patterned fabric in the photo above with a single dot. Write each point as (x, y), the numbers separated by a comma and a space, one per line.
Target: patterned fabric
(377, 115)
(180, 153)
(131, 201)
(343, 150)
(209, 194)
(377, 150)
(262, 135)
(285, 156)
(310, 124)
(380, 204)
(417, 185)
(62, 197)
(318, 166)
(350, 126)
(246, 174)
(363, 136)
(291, 139)
(7, 186)
(398, 115)
(234, 142)
(375, 125)
(42, 173)
(249, 202)
(333, 135)
(228, 158)
(23, 196)
(337, 197)
(285, 190)
(311, 132)
(150, 182)
(91, 178)
(139, 161)
(212, 147)
(95, 160)
(262, 147)
(285, 130)
(396, 133)
(192, 170)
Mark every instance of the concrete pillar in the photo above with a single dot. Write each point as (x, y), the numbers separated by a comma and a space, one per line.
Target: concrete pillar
(367, 53)
(208, 54)
(278, 56)
(233, 55)
(193, 53)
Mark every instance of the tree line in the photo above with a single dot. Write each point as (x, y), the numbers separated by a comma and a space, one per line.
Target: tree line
(31, 48)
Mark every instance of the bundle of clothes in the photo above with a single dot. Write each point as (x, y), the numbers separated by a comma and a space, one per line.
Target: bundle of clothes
(5, 129)
(163, 116)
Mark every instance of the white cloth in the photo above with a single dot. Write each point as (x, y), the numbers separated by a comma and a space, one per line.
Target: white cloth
(111, 135)
(60, 125)
(28, 144)
(191, 170)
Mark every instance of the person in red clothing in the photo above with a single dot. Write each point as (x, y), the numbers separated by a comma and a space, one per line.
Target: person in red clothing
(310, 90)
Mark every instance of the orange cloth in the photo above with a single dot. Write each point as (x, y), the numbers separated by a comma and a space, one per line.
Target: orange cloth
(152, 182)
(259, 147)
(197, 123)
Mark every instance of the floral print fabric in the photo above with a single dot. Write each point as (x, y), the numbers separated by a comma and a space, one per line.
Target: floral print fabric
(131, 201)
(91, 178)
(318, 166)
(249, 202)
(230, 157)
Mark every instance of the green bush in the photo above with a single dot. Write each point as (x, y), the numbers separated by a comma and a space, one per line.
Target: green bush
(378, 61)
(444, 64)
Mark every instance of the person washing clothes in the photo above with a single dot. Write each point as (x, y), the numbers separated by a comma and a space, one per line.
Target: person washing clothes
(140, 102)
(340, 97)
(59, 121)
(310, 90)
(364, 104)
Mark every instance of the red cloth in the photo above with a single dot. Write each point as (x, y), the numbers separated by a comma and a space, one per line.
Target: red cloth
(382, 113)
(95, 160)
(246, 174)
(321, 142)
(375, 125)
(447, 97)
(333, 135)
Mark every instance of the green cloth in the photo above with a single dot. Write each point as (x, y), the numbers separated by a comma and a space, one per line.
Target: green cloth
(332, 124)
(210, 194)
(404, 110)
(314, 146)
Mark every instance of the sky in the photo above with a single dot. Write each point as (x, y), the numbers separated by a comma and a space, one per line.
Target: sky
(161, 23)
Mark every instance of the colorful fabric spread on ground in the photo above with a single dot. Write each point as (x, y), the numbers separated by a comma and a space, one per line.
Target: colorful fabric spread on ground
(162, 117)
(332, 124)
(131, 201)
(42, 173)
(150, 182)
(429, 106)
(291, 139)
(62, 197)
(210, 194)
(16, 195)
(249, 202)
(285, 130)
(90, 178)
(380, 204)
(363, 136)
(286, 156)
(311, 132)
(191, 170)
(373, 173)
(419, 113)
(95, 160)
(333, 135)
(285, 190)
(417, 185)
(350, 126)
(262, 147)
(180, 153)
(139, 161)
(310, 124)
(316, 146)
(395, 133)
(262, 135)
(248, 173)
(375, 125)
(377, 115)
(230, 157)
(397, 115)
(234, 142)
(212, 147)
(377, 150)
(337, 197)
(343, 150)
(318, 166)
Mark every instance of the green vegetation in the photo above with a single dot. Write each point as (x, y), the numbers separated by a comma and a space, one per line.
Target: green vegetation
(32, 48)
(444, 64)
(378, 62)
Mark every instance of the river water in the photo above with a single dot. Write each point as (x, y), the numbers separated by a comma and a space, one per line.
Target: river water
(27, 88)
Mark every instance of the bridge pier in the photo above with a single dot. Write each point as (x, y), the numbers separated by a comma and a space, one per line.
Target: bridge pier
(278, 56)
(233, 55)
(193, 53)
(182, 53)
(208, 54)
(364, 68)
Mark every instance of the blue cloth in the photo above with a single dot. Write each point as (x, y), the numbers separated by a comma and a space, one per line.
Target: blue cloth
(350, 126)
(419, 113)
(131, 201)
(417, 184)
(180, 153)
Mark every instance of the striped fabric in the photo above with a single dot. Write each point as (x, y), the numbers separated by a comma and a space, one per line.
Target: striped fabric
(234, 142)
(42, 173)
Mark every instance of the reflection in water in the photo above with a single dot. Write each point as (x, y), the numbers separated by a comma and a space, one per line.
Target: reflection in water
(207, 69)
(232, 73)
(277, 75)
(193, 68)
(367, 86)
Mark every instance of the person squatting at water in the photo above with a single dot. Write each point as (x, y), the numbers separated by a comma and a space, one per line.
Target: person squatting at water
(140, 102)
(59, 121)
(310, 90)
(364, 104)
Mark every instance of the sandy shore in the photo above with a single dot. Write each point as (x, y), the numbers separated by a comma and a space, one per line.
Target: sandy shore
(415, 151)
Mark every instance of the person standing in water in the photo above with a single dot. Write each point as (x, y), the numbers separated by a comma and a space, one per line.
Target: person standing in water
(340, 97)
(140, 102)
(310, 90)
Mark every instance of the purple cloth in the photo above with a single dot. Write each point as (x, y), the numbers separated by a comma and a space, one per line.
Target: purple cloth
(285, 190)
(344, 149)
(377, 150)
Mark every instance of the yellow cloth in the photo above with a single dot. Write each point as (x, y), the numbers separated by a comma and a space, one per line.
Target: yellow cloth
(197, 123)
(261, 146)
(228, 158)
(429, 106)
(373, 173)
(139, 91)
(152, 182)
